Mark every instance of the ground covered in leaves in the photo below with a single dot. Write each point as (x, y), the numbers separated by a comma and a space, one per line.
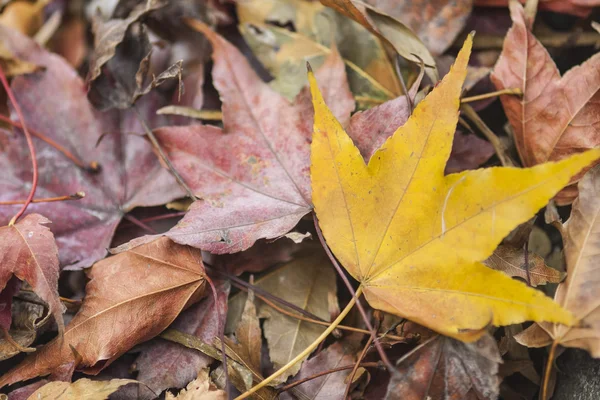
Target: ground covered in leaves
(297, 199)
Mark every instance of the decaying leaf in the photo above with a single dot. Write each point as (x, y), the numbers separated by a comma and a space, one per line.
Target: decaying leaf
(80, 389)
(511, 261)
(581, 8)
(28, 251)
(388, 29)
(130, 174)
(13, 66)
(200, 388)
(413, 237)
(578, 293)
(446, 369)
(546, 129)
(131, 297)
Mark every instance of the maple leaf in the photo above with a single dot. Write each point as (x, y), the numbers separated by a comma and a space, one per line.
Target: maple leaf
(578, 293)
(131, 298)
(446, 369)
(130, 174)
(28, 251)
(413, 237)
(80, 389)
(556, 116)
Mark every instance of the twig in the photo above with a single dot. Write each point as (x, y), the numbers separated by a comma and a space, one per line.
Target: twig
(34, 164)
(378, 346)
(305, 352)
(513, 91)
(91, 167)
(327, 372)
(356, 364)
(548, 370)
(75, 196)
(163, 156)
(164, 216)
(221, 330)
(139, 223)
(489, 134)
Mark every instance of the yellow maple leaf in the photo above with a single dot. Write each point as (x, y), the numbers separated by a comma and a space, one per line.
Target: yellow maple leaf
(415, 238)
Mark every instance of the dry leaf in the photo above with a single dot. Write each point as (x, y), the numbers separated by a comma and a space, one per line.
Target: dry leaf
(546, 128)
(511, 261)
(580, 8)
(131, 298)
(388, 29)
(130, 174)
(13, 66)
(446, 369)
(413, 237)
(24, 16)
(578, 293)
(200, 388)
(81, 389)
(28, 250)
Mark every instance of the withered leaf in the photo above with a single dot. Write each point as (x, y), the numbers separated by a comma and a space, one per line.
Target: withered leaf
(546, 129)
(580, 8)
(28, 251)
(446, 369)
(511, 260)
(81, 389)
(131, 297)
(130, 174)
(200, 388)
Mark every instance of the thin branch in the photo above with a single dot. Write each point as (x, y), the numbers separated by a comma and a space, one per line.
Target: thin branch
(361, 309)
(34, 164)
(221, 330)
(164, 216)
(513, 91)
(356, 364)
(139, 223)
(91, 167)
(327, 372)
(75, 196)
(163, 156)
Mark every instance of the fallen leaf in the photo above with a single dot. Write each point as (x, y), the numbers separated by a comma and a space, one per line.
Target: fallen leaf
(130, 174)
(413, 237)
(578, 292)
(249, 336)
(511, 261)
(435, 22)
(546, 129)
(309, 283)
(314, 31)
(388, 29)
(131, 297)
(12, 66)
(28, 251)
(24, 392)
(446, 369)
(24, 16)
(468, 152)
(165, 364)
(81, 389)
(581, 8)
(252, 176)
(330, 386)
(11, 288)
(200, 388)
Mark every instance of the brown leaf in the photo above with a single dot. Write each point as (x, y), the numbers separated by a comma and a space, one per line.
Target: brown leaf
(388, 29)
(436, 22)
(131, 297)
(446, 369)
(166, 365)
(81, 389)
(253, 176)
(24, 16)
(200, 388)
(578, 293)
(511, 261)
(249, 336)
(580, 8)
(28, 250)
(556, 116)
(129, 176)
(13, 66)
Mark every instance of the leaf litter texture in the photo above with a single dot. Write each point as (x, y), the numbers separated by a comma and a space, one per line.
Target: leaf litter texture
(28, 251)
(130, 174)
(130, 298)
(578, 293)
(81, 389)
(557, 116)
(413, 237)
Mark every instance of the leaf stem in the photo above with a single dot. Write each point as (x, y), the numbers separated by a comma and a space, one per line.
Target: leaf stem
(513, 91)
(221, 330)
(327, 372)
(306, 351)
(548, 370)
(361, 309)
(91, 167)
(356, 365)
(139, 223)
(163, 156)
(34, 164)
(75, 196)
